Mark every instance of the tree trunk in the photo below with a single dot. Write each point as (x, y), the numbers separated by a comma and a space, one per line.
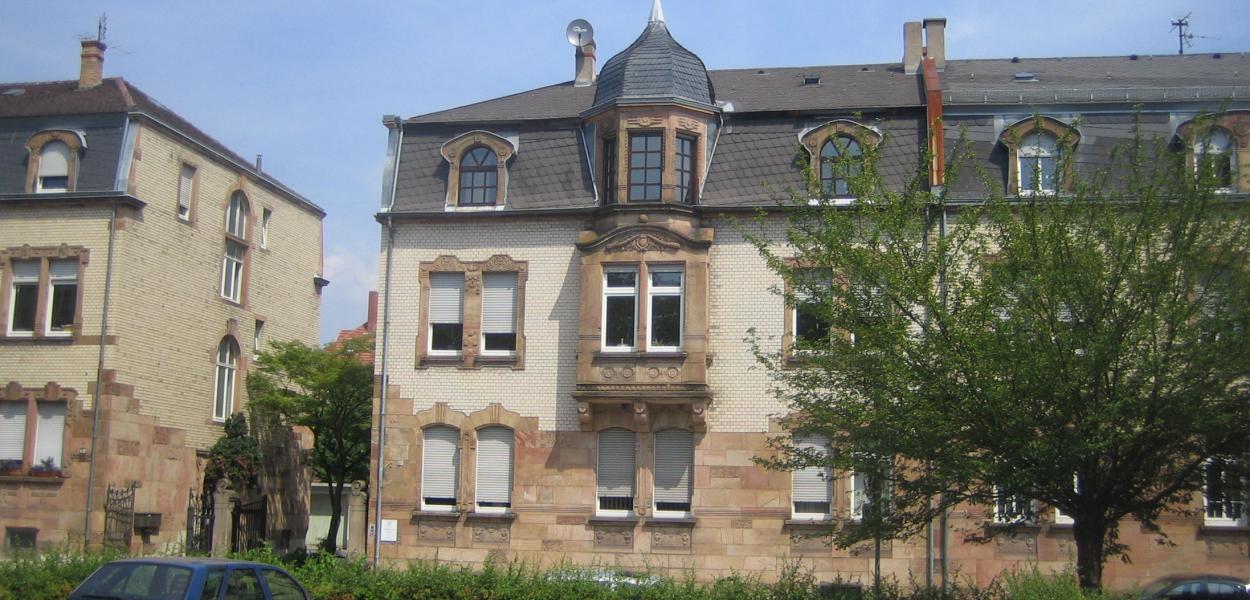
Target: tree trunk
(1090, 539)
(330, 543)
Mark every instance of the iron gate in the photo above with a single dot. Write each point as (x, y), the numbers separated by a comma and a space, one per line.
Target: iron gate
(119, 516)
(247, 525)
(199, 522)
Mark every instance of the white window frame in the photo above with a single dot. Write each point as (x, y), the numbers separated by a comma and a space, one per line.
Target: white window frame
(516, 282)
(13, 417)
(1005, 519)
(1222, 521)
(455, 468)
(665, 291)
(258, 332)
(511, 464)
(232, 271)
(1060, 517)
(1226, 152)
(609, 292)
(857, 508)
(53, 281)
(50, 443)
(236, 216)
(13, 283)
(224, 396)
(44, 153)
(825, 474)
(430, 350)
(633, 486)
(1028, 149)
(265, 216)
(186, 191)
(655, 503)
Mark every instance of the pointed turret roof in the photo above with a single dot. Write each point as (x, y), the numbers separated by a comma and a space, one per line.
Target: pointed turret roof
(655, 68)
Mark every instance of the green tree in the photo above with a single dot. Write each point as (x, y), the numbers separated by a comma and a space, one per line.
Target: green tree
(1087, 351)
(235, 456)
(330, 392)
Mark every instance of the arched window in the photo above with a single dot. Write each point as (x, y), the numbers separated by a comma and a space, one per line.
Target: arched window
(1215, 152)
(1038, 157)
(440, 467)
(53, 167)
(236, 216)
(235, 256)
(494, 468)
(227, 371)
(479, 177)
(839, 160)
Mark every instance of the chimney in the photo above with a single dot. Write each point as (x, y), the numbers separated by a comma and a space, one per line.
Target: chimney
(585, 74)
(260, 159)
(372, 324)
(935, 41)
(91, 74)
(911, 47)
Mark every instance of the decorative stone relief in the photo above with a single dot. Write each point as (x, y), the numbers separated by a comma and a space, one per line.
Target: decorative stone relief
(614, 537)
(643, 242)
(436, 532)
(1019, 544)
(491, 533)
(671, 538)
(801, 542)
(584, 416)
(641, 416)
(1227, 547)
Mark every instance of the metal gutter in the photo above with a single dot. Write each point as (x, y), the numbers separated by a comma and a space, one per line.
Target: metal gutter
(381, 217)
(104, 197)
(396, 143)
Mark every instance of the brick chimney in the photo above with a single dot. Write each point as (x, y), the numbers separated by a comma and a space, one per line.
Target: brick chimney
(935, 41)
(585, 65)
(371, 325)
(912, 47)
(91, 74)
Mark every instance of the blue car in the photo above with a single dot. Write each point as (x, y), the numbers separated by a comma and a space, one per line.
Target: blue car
(189, 579)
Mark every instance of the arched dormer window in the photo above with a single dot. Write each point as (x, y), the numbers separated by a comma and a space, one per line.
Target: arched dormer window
(837, 151)
(479, 177)
(839, 161)
(1036, 149)
(227, 373)
(52, 166)
(1218, 142)
(1215, 154)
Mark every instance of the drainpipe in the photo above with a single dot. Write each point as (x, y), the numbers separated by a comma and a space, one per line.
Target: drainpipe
(395, 145)
(942, 522)
(99, 381)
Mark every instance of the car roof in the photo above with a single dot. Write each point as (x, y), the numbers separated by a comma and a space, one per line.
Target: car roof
(192, 561)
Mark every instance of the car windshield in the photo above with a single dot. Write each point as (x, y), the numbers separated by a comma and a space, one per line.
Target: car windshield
(137, 581)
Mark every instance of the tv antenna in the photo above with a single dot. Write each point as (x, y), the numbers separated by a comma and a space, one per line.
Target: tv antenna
(102, 27)
(580, 33)
(1184, 38)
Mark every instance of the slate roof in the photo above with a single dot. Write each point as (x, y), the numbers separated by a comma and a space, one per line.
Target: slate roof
(116, 95)
(655, 68)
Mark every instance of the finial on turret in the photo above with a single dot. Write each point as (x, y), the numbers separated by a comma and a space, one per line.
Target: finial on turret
(657, 13)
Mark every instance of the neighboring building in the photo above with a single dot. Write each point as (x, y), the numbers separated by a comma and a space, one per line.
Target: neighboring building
(142, 264)
(569, 295)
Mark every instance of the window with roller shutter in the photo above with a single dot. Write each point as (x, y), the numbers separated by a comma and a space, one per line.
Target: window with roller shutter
(440, 468)
(446, 313)
(499, 313)
(673, 472)
(186, 187)
(494, 469)
(812, 486)
(12, 430)
(50, 433)
(614, 473)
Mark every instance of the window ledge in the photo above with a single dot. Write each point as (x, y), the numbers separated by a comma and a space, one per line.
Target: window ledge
(36, 479)
(1208, 528)
(439, 360)
(808, 523)
(671, 522)
(436, 515)
(635, 355)
(1016, 527)
(37, 339)
(631, 520)
(490, 516)
(497, 360)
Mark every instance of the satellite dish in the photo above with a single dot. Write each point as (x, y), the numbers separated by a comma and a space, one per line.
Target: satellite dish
(579, 32)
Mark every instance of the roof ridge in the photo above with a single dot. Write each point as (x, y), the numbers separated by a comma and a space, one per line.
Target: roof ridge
(568, 83)
(125, 91)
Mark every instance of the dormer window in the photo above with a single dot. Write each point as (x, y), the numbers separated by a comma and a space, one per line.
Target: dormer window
(479, 182)
(839, 161)
(1216, 149)
(1036, 148)
(646, 166)
(1214, 156)
(52, 166)
(1038, 157)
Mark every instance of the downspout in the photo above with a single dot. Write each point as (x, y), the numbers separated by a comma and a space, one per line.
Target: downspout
(99, 380)
(942, 522)
(396, 143)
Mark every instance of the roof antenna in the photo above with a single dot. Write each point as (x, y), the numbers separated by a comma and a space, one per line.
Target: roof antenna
(1183, 37)
(102, 27)
(657, 13)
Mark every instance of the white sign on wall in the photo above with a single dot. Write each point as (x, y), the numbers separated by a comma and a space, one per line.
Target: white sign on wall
(390, 530)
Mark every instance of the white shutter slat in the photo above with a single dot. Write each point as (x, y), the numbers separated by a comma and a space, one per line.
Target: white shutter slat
(674, 457)
(54, 160)
(186, 177)
(494, 465)
(440, 462)
(63, 269)
(499, 302)
(812, 484)
(50, 434)
(27, 270)
(12, 430)
(446, 292)
(615, 469)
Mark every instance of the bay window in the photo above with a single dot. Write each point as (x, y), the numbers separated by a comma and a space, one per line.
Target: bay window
(664, 312)
(620, 308)
(646, 166)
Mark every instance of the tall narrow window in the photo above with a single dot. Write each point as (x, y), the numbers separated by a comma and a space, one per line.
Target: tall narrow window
(665, 310)
(499, 313)
(53, 167)
(609, 170)
(236, 216)
(186, 185)
(232, 271)
(265, 216)
(494, 469)
(869, 493)
(12, 430)
(227, 370)
(1215, 156)
(23, 297)
(812, 486)
(440, 468)
(258, 337)
(614, 472)
(479, 173)
(50, 433)
(1012, 508)
(446, 313)
(1038, 157)
(62, 296)
(686, 181)
(673, 471)
(811, 324)
(1224, 492)
(620, 308)
(646, 166)
(839, 161)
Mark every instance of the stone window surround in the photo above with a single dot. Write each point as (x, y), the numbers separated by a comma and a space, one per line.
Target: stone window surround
(667, 417)
(239, 187)
(787, 339)
(193, 205)
(839, 503)
(1066, 138)
(813, 140)
(620, 124)
(468, 424)
(1237, 125)
(471, 356)
(34, 148)
(454, 150)
(44, 254)
(240, 371)
(14, 392)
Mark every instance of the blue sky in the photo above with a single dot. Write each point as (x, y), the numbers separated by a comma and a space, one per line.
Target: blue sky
(306, 82)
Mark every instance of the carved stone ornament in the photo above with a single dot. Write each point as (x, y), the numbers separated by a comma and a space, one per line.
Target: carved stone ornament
(436, 532)
(641, 415)
(615, 537)
(688, 124)
(643, 242)
(698, 415)
(584, 417)
(472, 282)
(644, 122)
(491, 534)
(668, 537)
